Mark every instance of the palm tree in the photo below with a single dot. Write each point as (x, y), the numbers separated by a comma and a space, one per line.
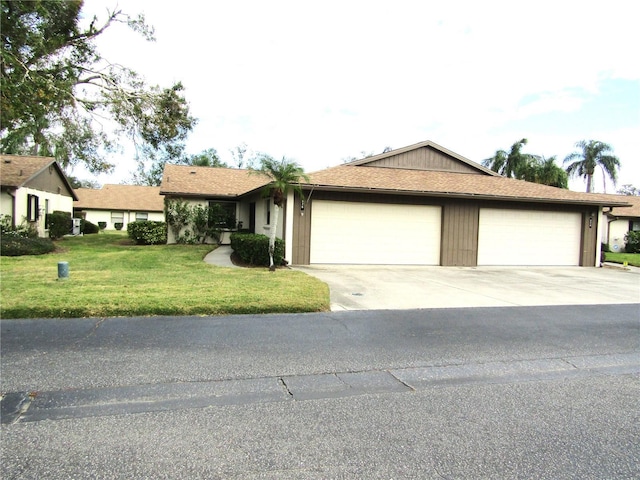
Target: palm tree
(284, 175)
(545, 171)
(594, 154)
(510, 164)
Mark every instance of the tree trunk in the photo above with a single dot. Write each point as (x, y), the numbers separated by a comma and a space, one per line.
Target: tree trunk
(272, 237)
(589, 183)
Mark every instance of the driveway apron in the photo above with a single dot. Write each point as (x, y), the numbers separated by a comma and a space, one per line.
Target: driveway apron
(358, 287)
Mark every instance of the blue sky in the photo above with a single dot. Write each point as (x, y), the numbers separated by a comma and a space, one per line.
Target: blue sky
(320, 82)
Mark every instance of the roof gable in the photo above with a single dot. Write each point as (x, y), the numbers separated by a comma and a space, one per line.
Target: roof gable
(120, 197)
(209, 181)
(18, 171)
(424, 156)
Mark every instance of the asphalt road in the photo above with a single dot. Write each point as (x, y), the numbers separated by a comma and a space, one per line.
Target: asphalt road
(525, 392)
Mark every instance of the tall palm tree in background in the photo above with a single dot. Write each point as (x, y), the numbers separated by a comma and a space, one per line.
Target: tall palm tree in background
(511, 163)
(594, 154)
(285, 175)
(546, 172)
(526, 166)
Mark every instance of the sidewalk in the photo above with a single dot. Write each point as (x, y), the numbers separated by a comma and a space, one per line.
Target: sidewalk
(628, 268)
(221, 257)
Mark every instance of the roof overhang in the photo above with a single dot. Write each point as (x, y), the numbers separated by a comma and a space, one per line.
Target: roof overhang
(467, 196)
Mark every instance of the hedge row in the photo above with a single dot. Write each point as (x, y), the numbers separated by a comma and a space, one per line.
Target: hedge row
(147, 232)
(254, 249)
(16, 246)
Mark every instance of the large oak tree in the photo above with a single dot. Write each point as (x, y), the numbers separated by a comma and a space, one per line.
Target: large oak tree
(59, 94)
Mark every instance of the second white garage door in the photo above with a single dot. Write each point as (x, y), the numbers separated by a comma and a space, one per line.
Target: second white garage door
(382, 234)
(522, 237)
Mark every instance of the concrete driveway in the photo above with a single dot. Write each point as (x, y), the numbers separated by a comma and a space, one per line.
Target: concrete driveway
(358, 287)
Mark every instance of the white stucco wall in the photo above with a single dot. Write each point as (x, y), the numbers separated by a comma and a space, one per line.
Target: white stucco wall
(55, 203)
(95, 216)
(263, 205)
(6, 204)
(617, 230)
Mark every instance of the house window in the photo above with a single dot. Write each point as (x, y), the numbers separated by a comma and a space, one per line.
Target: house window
(46, 206)
(222, 214)
(33, 208)
(117, 217)
(268, 210)
(141, 216)
(634, 226)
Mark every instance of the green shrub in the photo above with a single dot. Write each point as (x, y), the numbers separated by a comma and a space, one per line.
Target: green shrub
(604, 247)
(177, 213)
(632, 240)
(11, 246)
(254, 249)
(147, 232)
(59, 224)
(203, 225)
(118, 225)
(102, 225)
(88, 228)
(24, 230)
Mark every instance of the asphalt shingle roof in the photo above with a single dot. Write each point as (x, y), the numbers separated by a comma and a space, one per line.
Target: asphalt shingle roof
(631, 211)
(120, 197)
(15, 170)
(209, 181)
(229, 182)
(441, 183)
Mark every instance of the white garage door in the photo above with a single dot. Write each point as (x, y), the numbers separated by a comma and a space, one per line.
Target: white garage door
(382, 234)
(519, 237)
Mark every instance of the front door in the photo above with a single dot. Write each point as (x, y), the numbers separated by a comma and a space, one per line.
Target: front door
(252, 217)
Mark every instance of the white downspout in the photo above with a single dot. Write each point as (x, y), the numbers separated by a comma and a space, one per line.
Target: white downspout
(601, 218)
(288, 230)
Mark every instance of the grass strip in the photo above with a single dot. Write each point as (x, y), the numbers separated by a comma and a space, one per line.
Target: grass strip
(109, 276)
(630, 258)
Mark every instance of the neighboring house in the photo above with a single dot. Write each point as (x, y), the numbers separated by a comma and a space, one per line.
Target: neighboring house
(620, 221)
(418, 205)
(31, 187)
(119, 204)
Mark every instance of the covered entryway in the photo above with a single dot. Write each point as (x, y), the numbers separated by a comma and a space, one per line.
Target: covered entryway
(528, 237)
(375, 233)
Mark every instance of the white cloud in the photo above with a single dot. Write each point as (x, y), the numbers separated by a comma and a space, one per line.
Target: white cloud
(320, 82)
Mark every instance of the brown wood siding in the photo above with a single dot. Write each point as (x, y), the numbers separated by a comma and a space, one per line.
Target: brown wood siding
(425, 158)
(301, 239)
(459, 244)
(589, 239)
(49, 181)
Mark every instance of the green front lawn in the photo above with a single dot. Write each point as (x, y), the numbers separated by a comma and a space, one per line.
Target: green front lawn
(630, 258)
(108, 276)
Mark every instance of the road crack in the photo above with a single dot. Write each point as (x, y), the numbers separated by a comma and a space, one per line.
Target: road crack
(285, 386)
